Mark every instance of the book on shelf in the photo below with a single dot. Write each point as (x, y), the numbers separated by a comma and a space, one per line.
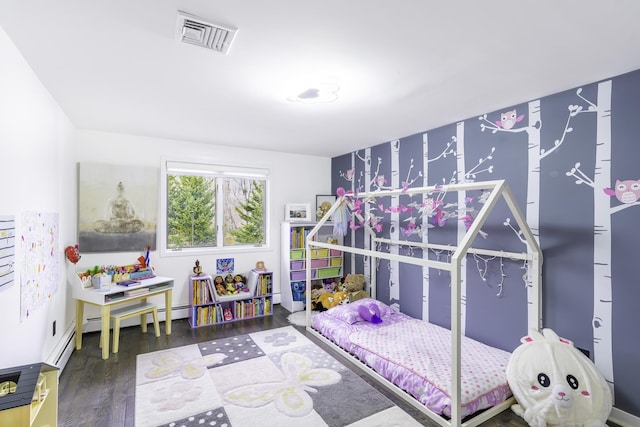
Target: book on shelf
(136, 292)
(202, 291)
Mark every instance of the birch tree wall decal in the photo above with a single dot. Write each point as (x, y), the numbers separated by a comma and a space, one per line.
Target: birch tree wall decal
(602, 293)
(535, 156)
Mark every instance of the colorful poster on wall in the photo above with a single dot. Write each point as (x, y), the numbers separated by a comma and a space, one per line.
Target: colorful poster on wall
(224, 266)
(117, 208)
(39, 278)
(7, 250)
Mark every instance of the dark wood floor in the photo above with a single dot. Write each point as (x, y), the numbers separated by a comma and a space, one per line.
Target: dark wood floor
(101, 393)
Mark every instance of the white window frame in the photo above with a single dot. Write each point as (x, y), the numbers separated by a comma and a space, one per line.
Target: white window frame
(213, 168)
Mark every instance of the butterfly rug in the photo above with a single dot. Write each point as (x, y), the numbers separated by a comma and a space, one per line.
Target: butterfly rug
(276, 377)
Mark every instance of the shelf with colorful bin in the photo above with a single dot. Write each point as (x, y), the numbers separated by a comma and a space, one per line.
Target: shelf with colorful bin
(325, 264)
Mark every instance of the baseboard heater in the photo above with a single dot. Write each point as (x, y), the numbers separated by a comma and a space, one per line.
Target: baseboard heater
(62, 352)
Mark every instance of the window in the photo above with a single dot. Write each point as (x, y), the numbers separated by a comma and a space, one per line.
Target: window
(212, 206)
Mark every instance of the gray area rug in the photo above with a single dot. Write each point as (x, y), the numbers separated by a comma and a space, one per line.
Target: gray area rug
(270, 378)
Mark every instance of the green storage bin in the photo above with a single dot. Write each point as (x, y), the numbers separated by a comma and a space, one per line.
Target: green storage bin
(328, 272)
(297, 254)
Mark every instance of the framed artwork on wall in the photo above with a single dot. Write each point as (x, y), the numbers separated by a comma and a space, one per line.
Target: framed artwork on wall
(323, 204)
(117, 208)
(297, 212)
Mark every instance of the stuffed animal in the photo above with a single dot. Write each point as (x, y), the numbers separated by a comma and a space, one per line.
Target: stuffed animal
(555, 384)
(370, 313)
(316, 291)
(331, 299)
(354, 287)
(297, 288)
(227, 314)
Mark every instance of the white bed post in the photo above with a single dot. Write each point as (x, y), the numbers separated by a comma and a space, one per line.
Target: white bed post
(455, 339)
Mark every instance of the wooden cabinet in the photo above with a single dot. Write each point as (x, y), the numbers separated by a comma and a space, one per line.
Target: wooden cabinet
(29, 396)
(209, 308)
(326, 264)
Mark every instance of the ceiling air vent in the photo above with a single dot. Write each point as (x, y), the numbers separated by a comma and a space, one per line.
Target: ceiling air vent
(193, 30)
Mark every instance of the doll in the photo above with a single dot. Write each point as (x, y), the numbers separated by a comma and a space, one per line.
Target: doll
(230, 286)
(219, 284)
(240, 283)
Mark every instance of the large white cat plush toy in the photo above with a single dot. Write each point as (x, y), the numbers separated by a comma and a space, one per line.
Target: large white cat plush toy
(555, 384)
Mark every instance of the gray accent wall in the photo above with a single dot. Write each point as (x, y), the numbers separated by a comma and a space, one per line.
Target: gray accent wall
(561, 155)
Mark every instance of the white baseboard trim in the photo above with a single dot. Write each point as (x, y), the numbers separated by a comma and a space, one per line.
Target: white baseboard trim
(62, 352)
(623, 419)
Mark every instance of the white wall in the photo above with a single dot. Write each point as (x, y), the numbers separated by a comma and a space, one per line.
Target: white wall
(37, 175)
(293, 178)
(40, 149)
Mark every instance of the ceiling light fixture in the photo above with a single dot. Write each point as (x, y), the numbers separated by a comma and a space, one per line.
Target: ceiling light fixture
(317, 94)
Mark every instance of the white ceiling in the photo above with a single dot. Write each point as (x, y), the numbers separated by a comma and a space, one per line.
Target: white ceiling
(403, 66)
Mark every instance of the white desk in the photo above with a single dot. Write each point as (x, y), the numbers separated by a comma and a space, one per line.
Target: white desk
(114, 295)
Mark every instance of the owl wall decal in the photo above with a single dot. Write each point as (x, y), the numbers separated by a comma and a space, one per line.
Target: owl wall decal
(627, 191)
(509, 119)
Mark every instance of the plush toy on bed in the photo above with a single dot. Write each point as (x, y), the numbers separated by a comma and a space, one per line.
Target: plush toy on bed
(555, 384)
(331, 299)
(354, 287)
(370, 313)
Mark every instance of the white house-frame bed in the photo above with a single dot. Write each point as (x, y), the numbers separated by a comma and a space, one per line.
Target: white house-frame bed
(532, 256)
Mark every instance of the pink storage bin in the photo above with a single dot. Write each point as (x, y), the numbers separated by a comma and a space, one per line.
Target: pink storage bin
(319, 263)
(335, 252)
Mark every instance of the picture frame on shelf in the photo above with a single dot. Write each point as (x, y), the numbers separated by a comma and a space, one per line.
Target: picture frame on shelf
(320, 199)
(297, 212)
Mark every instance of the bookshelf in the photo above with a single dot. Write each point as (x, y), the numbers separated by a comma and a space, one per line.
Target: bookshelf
(208, 308)
(326, 265)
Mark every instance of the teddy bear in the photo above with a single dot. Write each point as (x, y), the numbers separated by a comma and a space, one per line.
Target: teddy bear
(354, 287)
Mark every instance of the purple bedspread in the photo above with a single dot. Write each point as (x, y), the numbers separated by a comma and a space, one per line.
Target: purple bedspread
(415, 356)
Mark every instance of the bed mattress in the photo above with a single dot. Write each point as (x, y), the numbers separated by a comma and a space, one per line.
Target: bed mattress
(416, 356)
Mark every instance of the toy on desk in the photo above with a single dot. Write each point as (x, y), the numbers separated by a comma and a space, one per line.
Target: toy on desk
(197, 270)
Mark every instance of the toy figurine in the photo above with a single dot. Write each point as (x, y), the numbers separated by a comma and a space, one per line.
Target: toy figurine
(197, 270)
(227, 314)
